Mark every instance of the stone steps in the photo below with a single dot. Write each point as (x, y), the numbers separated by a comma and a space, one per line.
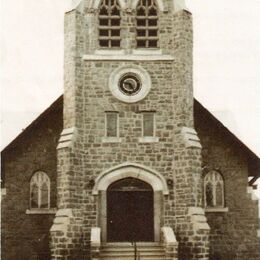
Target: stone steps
(125, 251)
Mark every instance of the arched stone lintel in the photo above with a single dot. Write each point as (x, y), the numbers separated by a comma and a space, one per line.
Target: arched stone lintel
(126, 170)
(95, 4)
(158, 2)
(124, 4)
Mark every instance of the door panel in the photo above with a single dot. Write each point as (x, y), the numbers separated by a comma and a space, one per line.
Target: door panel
(130, 216)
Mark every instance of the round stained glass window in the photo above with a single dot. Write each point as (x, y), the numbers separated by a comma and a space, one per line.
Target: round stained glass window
(130, 84)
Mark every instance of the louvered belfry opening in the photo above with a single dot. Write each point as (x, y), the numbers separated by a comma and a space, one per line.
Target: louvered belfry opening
(109, 24)
(147, 24)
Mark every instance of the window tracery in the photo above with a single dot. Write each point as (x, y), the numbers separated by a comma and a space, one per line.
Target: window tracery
(147, 24)
(40, 190)
(109, 24)
(213, 190)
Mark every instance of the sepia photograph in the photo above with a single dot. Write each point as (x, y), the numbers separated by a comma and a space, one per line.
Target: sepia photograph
(130, 129)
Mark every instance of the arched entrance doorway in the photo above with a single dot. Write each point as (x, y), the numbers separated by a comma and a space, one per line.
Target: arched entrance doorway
(130, 211)
(104, 184)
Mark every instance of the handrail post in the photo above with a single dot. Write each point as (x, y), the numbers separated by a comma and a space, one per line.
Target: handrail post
(135, 249)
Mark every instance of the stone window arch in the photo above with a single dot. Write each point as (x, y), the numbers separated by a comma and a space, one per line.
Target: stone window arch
(147, 24)
(109, 24)
(40, 191)
(213, 190)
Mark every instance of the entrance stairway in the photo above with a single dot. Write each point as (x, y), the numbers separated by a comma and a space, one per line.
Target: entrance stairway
(126, 251)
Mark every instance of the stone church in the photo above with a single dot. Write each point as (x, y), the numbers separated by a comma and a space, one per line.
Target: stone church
(126, 164)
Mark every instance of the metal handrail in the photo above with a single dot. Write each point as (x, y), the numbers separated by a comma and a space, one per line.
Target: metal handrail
(136, 253)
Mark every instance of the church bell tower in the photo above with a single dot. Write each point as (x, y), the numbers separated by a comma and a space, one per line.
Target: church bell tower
(129, 159)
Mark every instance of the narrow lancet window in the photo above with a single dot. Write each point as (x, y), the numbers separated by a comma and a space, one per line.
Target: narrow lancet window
(40, 190)
(146, 24)
(111, 124)
(148, 124)
(214, 190)
(109, 24)
(209, 195)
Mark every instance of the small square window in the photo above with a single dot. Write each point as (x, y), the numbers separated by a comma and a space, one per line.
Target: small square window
(141, 33)
(104, 22)
(111, 124)
(103, 32)
(148, 124)
(152, 33)
(115, 32)
(152, 22)
(152, 43)
(141, 43)
(115, 22)
(104, 43)
(141, 22)
(115, 43)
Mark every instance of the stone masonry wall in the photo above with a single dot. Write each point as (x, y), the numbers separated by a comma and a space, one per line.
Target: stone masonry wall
(161, 156)
(86, 99)
(23, 235)
(233, 233)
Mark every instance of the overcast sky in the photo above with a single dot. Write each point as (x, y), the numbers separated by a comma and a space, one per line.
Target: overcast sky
(226, 62)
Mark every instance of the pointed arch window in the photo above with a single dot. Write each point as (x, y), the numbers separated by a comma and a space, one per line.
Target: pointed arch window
(214, 190)
(109, 24)
(147, 24)
(40, 191)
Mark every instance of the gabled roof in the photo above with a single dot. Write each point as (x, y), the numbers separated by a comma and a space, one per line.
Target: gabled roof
(254, 160)
(56, 105)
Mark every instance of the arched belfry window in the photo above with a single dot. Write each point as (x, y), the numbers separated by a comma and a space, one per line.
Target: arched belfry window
(109, 24)
(146, 24)
(40, 190)
(213, 190)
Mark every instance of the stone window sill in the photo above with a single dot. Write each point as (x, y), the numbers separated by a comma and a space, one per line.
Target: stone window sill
(216, 210)
(148, 139)
(41, 211)
(111, 140)
(106, 51)
(140, 51)
(146, 56)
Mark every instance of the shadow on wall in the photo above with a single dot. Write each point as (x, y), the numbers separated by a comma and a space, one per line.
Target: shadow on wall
(39, 250)
(222, 256)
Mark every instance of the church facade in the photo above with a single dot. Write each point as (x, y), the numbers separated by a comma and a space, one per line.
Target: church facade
(126, 164)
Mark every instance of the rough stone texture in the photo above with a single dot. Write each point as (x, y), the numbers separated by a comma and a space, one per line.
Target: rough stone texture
(86, 99)
(234, 233)
(24, 236)
(227, 234)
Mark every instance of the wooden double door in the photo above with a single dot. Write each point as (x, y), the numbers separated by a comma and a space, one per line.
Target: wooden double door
(130, 211)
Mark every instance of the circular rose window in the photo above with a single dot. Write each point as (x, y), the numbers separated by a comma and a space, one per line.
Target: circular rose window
(130, 83)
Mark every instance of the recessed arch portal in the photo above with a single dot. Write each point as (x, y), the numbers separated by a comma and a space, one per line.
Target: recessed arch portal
(130, 211)
(134, 170)
(146, 178)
